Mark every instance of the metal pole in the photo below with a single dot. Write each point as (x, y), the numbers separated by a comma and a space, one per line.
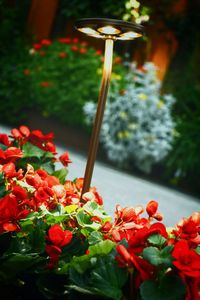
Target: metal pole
(94, 140)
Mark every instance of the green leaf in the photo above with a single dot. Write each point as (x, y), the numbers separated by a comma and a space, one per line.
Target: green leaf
(2, 185)
(95, 237)
(101, 248)
(103, 277)
(171, 287)
(158, 257)
(71, 208)
(30, 150)
(61, 175)
(108, 279)
(197, 250)
(157, 239)
(84, 220)
(3, 147)
(95, 209)
(17, 263)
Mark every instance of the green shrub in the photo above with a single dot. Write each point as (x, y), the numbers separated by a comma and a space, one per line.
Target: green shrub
(65, 74)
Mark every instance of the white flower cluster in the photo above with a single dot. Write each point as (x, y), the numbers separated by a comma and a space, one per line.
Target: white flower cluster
(137, 124)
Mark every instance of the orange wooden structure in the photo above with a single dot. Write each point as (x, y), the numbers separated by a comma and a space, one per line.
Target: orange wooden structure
(41, 18)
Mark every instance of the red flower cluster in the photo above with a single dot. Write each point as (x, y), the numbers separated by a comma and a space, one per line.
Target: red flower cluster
(145, 248)
(36, 137)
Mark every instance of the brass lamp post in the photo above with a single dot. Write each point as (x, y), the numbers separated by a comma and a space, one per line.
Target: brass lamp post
(110, 30)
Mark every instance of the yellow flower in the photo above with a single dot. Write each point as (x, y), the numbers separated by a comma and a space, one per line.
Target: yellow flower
(142, 96)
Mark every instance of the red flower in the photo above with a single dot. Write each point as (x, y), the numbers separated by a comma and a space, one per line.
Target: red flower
(186, 259)
(95, 219)
(24, 130)
(44, 84)
(37, 46)
(42, 195)
(64, 158)
(151, 209)
(75, 40)
(82, 50)
(54, 253)
(4, 139)
(106, 227)
(98, 52)
(42, 141)
(62, 54)
(131, 260)
(52, 180)
(19, 192)
(74, 48)
(188, 229)
(10, 213)
(46, 42)
(9, 170)
(21, 134)
(11, 154)
(58, 236)
(79, 183)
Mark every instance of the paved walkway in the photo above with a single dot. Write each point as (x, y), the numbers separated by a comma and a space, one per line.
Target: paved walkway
(120, 188)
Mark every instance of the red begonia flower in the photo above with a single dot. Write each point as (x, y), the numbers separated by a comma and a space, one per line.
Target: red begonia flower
(58, 236)
(16, 133)
(46, 42)
(4, 139)
(75, 40)
(24, 130)
(186, 259)
(64, 158)
(12, 154)
(19, 192)
(144, 268)
(106, 227)
(9, 170)
(37, 46)
(151, 208)
(10, 213)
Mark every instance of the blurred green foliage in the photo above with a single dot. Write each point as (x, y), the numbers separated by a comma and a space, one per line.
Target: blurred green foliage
(14, 87)
(183, 81)
(58, 77)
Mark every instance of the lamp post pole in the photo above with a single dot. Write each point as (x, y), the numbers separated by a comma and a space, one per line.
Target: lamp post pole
(108, 30)
(94, 140)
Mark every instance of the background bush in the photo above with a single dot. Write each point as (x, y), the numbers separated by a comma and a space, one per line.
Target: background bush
(64, 75)
(15, 94)
(137, 125)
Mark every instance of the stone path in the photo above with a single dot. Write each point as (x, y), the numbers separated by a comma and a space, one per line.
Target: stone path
(120, 188)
